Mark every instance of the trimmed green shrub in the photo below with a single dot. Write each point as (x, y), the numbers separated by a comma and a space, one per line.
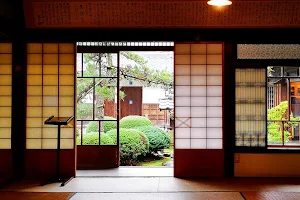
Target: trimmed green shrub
(133, 121)
(107, 125)
(92, 127)
(92, 138)
(133, 144)
(158, 139)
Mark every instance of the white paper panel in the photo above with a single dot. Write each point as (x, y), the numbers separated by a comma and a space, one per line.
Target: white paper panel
(182, 112)
(34, 111)
(50, 90)
(198, 59)
(182, 70)
(213, 49)
(198, 112)
(50, 101)
(50, 132)
(214, 111)
(198, 143)
(5, 79)
(183, 101)
(183, 133)
(214, 133)
(66, 59)
(49, 144)
(66, 111)
(198, 91)
(198, 49)
(5, 144)
(66, 80)
(33, 143)
(5, 100)
(214, 91)
(5, 90)
(182, 59)
(182, 122)
(198, 132)
(34, 101)
(182, 91)
(198, 70)
(33, 132)
(34, 48)
(34, 122)
(5, 47)
(182, 80)
(198, 80)
(5, 112)
(182, 143)
(49, 111)
(66, 90)
(198, 101)
(214, 144)
(198, 122)
(66, 101)
(50, 59)
(5, 122)
(214, 70)
(5, 59)
(34, 69)
(5, 132)
(50, 80)
(67, 143)
(50, 69)
(67, 133)
(214, 59)
(34, 59)
(214, 122)
(34, 80)
(214, 101)
(66, 48)
(34, 90)
(182, 49)
(50, 48)
(66, 69)
(214, 80)
(5, 69)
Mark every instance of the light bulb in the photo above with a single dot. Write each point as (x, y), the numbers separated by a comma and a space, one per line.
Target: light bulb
(219, 2)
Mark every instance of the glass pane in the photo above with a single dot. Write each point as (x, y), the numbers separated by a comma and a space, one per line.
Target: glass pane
(275, 71)
(291, 71)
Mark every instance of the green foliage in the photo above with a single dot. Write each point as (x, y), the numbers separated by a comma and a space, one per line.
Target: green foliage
(279, 112)
(109, 125)
(158, 139)
(133, 144)
(133, 121)
(92, 127)
(92, 138)
(84, 110)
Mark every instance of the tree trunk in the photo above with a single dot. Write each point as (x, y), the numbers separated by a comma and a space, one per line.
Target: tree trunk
(99, 110)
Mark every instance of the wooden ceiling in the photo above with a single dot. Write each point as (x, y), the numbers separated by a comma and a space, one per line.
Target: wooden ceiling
(49, 14)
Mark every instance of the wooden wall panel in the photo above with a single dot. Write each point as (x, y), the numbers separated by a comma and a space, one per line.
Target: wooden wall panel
(132, 103)
(6, 165)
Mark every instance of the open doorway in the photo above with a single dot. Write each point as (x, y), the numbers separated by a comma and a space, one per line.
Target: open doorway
(125, 111)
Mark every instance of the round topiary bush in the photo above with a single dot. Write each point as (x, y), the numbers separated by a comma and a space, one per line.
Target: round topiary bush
(133, 144)
(158, 139)
(92, 127)
(133, 121)
(92, 138)
(107, 125)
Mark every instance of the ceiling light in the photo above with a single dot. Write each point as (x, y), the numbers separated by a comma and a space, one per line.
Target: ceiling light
(219, 2)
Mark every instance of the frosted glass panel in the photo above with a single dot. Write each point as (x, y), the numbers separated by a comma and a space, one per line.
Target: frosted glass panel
(198, 59)
(214, 133)
(5, 69)
(49, 144)
(182, 143)
(214, 144)
(50, 90)
(214, 111)
(198, 70)
(50, 101)
(5, 90)
(34, 48)
(66, 101)
(5, 122)
(5, 144)
(50, 69)
(214, 70)
(66, 111)
(5, 79)
(50, 133)
(67, 133)
(66, 90)
(50, 48)
(50, 80)
(182, 101)
(66, 59)
(183, 133)
(182, 91)
(34, 90)
(214, 91)
(182, 122)
(198, 112)
(33, 132)
(182, 49)
(49, 111)
(214, 101)
(214, 122)
(66, 80)
(66, 143)
(33, 143)
(34, 111)
(34, 59)
(66, 69)
(198, 132)
(34, 69)
(214, 80)
(198, 49)
(198, 91)
(183, 112)
(5, 59)
(182, 80)
(198, 143)
(183, 70)
(66, 48)
(214, 49)
(182, 59)
(214, 59)
(34, 80)
(198, 122)
(198, 101)
(34, 101)
(198, 80)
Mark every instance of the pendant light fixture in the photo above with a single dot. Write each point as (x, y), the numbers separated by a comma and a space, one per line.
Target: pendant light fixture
(219, 2)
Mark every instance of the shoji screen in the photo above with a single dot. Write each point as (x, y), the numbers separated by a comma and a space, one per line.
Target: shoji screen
(198, 96)
(50, 91)
(5, 94)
